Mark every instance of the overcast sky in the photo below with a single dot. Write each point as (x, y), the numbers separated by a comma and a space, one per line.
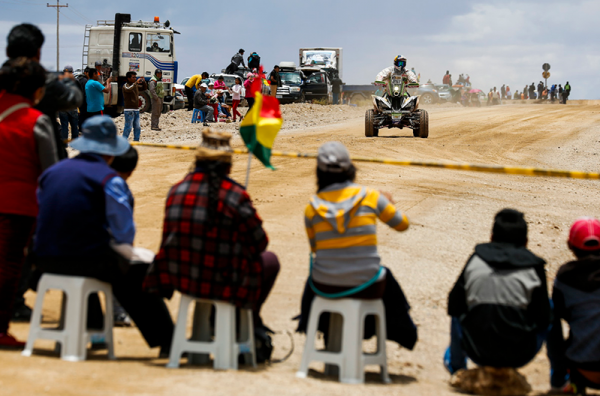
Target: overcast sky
(495, 42)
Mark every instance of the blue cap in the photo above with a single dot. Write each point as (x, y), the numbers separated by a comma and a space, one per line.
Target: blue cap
(99, 136)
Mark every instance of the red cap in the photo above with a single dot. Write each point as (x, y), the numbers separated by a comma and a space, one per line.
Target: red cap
(585, 234)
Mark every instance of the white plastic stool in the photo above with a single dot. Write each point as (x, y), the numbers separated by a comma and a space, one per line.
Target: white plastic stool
(72, 333)
(344, 348)
(224, 347)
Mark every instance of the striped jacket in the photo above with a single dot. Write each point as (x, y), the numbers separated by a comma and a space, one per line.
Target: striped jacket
(341, 226)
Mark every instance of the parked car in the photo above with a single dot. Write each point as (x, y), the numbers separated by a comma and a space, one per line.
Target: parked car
(443, 91)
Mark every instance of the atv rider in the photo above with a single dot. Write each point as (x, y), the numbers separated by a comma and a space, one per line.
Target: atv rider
(399, 67)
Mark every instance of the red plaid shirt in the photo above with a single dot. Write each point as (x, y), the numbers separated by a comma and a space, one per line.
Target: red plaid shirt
(219, 261)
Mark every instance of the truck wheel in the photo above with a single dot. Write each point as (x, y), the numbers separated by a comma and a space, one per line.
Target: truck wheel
(144, 102)
(370, 129)
(427, 98)
(423, 124)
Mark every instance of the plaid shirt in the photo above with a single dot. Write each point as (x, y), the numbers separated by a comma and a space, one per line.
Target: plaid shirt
(219, 261)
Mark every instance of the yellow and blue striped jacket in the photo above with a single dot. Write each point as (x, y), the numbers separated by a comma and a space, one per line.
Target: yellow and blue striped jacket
(341, 226)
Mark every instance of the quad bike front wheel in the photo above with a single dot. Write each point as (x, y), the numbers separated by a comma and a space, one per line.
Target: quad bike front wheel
(370, 129)
(423, 130)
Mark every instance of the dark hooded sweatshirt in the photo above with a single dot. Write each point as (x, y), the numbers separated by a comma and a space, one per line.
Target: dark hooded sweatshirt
(576, 298)
(501, 300)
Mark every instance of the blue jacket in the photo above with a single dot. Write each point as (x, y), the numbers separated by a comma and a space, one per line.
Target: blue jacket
(72, 219)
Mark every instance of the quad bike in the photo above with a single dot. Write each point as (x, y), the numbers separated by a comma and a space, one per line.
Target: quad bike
(395, 109)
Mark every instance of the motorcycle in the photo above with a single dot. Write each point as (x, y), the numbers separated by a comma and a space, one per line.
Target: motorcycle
(396, 109)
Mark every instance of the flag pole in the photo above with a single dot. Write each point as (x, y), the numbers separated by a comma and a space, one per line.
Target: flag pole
(248, 169)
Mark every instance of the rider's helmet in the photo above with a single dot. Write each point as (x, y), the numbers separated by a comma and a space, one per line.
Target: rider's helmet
(400, 62)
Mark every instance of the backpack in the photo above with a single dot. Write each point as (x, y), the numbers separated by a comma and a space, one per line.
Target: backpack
(254, 61)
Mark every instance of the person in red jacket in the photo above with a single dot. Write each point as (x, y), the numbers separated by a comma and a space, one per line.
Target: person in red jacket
(27, 147)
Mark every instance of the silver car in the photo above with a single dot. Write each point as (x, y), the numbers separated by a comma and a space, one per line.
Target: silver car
(444, 92)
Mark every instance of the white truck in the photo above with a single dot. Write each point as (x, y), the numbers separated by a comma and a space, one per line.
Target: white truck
(327, 59)
(121, 46)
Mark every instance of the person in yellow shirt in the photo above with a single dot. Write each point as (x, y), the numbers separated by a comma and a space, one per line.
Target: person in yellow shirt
(341, 225)
(192, 82)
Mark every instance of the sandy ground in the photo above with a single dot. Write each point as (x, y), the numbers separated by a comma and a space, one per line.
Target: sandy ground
(451, 211)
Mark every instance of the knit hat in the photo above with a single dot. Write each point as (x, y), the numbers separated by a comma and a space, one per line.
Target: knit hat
(585, 234)
(333, 157)
(214, 147)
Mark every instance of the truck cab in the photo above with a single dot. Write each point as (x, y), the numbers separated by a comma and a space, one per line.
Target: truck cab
(122, 46)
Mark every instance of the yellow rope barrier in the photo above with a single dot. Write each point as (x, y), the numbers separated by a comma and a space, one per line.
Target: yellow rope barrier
(510, 170)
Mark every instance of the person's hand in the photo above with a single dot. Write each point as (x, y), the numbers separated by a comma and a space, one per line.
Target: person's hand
(387, 195)
(141, 79)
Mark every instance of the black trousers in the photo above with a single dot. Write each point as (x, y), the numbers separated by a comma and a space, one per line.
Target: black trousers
(148, 311)
(189, 92)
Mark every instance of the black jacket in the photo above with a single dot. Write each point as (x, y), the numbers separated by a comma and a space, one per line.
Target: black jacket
(61, 95)
(501, 300)
(576, 298)
(275, 78)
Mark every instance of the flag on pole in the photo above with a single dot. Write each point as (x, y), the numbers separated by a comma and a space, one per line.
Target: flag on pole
(261, 124)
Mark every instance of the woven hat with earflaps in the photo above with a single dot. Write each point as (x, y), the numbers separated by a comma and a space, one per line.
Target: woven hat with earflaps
(214, 147)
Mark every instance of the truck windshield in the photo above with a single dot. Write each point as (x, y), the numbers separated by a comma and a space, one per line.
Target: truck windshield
(290, 78)
(158, 43)
(321, 58)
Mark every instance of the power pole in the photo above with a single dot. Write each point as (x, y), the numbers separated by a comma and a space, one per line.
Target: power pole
(58, 7)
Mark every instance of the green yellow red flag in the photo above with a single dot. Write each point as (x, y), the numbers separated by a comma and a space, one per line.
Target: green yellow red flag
(261, 125)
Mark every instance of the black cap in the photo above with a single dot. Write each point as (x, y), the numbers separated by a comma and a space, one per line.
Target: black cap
(241, 51)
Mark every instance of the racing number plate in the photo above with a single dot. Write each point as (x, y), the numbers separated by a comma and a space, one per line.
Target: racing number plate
(396, 116)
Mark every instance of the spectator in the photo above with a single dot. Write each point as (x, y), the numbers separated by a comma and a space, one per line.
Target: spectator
(124, 165)
(336, 88)
(553, 93)
(249, 93)
(201, 100)
(495, 97)
(508, 93)
(525, 92)
(490, 97)
(566, 92)
(82, 229)
(131, 95)
(94, 92)
(236, 91)
(540, 90)
(532, 91)
(99, 69)
(27, 147)
(576, 298)
(236, 60)
(341, 227)
(254, 62)
(213, 101)
(560, 93)
(468, 81)
(517, 95)
(446, 78)
(499, 305)
(60, 95)
(503, 91)
(205, 79)
(275, 80)
(220, 84)
(82, 80)
(69, 117)
(210, 207)
(193, 83)
(157, 93)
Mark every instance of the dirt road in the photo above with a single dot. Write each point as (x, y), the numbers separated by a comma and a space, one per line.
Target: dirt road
(451, 211)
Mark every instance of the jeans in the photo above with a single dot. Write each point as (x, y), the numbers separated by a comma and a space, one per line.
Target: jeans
(456, 357)
(132, 118)
(15, 232)
(336, 98)
(66, 118)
